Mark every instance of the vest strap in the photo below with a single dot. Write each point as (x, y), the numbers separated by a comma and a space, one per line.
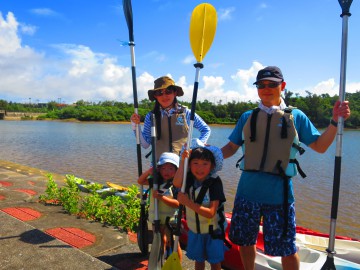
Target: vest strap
(301, 172)
(286, 197)
(204, 188)
(253, 124)
(299, 148)
(238, 162)
(220, 235)
(170, 134)
(148, 154)
(284, 133)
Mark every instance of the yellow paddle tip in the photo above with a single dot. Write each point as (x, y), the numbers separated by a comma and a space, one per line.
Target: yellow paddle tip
(172, 262)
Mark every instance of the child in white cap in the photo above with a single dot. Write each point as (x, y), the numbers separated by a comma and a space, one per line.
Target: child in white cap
(166, 195)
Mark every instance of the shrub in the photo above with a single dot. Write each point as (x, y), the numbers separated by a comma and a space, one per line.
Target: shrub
(123, 212)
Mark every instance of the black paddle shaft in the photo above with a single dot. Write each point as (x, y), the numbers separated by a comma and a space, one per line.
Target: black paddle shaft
(143, 228)
(196, 87)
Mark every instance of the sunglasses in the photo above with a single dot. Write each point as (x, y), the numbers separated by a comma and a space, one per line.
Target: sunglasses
(269, 85)
(167, 91)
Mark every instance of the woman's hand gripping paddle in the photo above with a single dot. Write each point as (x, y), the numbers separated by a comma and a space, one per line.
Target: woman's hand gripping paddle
(202, 32)
(155, 257)
(329, 263)
(143, 241)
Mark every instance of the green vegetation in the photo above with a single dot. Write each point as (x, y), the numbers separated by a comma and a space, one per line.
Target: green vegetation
(118, 211)
(317, 107)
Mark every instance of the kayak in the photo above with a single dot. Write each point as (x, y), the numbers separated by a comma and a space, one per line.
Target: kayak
(116, 186)
(104, 191)
(346, 248)
(309, 259)
(311, 245)
(311, 249)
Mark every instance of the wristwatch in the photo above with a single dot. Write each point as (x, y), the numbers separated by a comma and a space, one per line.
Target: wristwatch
(333, 122)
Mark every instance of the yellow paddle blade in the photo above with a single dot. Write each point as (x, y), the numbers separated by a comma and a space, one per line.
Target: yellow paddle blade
(172, 262)
(202, 29)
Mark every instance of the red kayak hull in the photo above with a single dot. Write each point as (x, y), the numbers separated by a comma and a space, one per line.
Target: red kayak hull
(232, 259)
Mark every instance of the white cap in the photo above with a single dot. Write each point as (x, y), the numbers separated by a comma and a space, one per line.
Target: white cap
(168, 157)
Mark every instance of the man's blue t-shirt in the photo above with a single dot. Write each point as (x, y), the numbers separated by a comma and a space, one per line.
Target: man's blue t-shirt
(264, 187)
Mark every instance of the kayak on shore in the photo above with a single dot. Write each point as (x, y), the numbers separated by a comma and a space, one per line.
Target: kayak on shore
(311, 245)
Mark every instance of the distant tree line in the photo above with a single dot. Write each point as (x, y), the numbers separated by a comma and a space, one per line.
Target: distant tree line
(317, 107)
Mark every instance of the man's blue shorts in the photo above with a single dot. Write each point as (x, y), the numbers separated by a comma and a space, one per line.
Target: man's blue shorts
(245, 222)
(202, 247)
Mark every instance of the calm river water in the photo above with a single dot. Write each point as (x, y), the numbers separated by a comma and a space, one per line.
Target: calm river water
(107, 152)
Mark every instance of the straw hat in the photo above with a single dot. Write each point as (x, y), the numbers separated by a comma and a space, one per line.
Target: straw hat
(164, 83)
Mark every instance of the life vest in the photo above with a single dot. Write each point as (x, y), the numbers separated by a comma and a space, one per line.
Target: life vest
(271, 143)
(216, 225)
(164, 210)
(174, 133)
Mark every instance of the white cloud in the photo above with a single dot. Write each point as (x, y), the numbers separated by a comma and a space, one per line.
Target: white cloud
(352, 87)
(326, 87)
(212, 88)
(156, 56)
(9, 40)
(188, 59)
(225, 13)
(28, 29)
(46, 12)
(263, 6)
(244, 82)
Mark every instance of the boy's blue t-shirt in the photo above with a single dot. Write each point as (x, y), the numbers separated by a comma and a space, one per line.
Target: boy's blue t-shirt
(264, 187)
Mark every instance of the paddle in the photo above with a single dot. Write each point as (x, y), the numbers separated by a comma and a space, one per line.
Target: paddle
(329, 263)
(155, 253)
(202, 32)
(143, 241)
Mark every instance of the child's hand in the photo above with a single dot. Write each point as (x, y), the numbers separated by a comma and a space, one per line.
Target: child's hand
(183, 198)
(150, 171)
(158, 194)
(185, 154)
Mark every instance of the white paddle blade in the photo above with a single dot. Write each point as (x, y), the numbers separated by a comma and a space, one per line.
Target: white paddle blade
(155, 256)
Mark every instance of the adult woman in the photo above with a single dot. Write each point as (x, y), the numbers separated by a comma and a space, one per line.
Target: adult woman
(172, 119)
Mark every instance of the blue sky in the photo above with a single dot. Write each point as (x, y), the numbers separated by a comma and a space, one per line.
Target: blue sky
(70, 50)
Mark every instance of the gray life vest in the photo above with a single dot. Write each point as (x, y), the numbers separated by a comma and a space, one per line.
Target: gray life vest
(271, 144)
(215, 226)
(174, 133)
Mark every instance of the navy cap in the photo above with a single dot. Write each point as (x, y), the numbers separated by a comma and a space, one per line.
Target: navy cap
(270, 73)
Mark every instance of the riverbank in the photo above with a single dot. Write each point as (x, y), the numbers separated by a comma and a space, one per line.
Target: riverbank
(38, 236)
(73, 120)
